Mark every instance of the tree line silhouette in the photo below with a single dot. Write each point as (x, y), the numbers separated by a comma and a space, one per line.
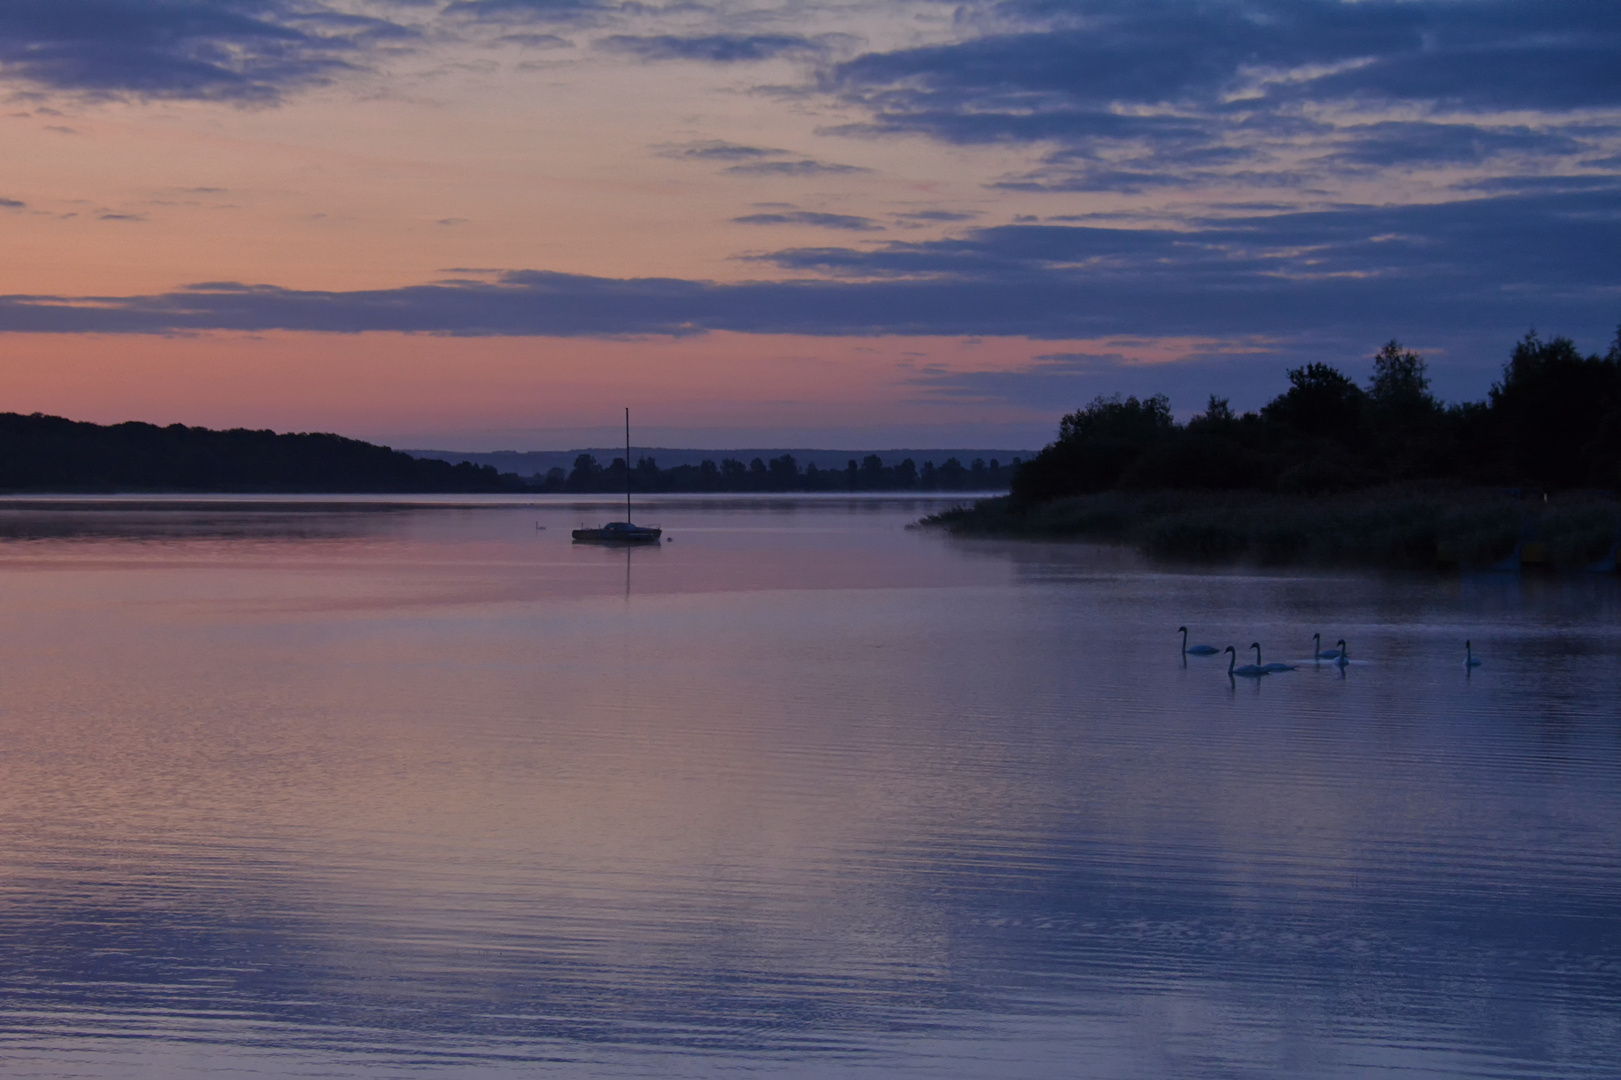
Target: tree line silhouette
(49, 453)
(1551, 423)
(780, 474)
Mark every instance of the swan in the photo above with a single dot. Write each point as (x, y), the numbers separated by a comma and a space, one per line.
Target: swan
(1268, 668)
(1344, 653)
(1196, 650)
(1249, 671)
(1320, 653)
(1469, 660)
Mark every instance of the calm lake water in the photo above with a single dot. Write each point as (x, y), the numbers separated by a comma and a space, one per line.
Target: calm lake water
(346, 790)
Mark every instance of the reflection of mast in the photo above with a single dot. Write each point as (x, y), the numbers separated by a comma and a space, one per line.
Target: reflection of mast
(627, 471)
(627, 574)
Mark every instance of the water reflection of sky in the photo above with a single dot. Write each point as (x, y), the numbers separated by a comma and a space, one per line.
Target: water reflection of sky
(815, 795)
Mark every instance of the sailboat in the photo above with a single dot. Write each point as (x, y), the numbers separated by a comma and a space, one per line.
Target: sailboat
(621, 532)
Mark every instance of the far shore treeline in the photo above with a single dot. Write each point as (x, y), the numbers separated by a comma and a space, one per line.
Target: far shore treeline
(1329, 471)
(780, 474)
(41, 453)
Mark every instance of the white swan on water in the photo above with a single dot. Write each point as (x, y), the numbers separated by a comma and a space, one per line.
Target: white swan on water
(1320, 653)
(1249, 671)
(1196, 650)
(1469, 660)
(1268, 668)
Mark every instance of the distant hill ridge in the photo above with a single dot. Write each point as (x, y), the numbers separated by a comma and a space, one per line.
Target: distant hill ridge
(538, 462)
(40, 453)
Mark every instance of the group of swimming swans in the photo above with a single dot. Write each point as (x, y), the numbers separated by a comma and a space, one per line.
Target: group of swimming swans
(1257, 669)
(1254, 671)
(1339, 655)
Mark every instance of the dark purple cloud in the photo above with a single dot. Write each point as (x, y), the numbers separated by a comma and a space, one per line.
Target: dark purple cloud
(546, 11)
(712, 48)
(229, 50)
(1091, 55)
(1390, 143)
(935, 216)
(1461, 279)
(1127, 95)
(720, 150)
(805, 167)
(847, 222)
(1550, 258)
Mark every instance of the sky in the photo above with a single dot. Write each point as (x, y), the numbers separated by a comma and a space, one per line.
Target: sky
(490, 224)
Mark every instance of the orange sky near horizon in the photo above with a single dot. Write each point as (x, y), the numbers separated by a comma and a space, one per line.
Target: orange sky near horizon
(521, 393)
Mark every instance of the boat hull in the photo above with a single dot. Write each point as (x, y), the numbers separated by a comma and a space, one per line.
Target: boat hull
(619, 532)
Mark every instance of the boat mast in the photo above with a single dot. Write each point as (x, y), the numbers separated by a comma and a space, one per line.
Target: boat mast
(627, 464)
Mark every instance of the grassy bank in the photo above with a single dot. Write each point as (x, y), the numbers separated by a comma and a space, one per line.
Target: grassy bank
(1390, 528)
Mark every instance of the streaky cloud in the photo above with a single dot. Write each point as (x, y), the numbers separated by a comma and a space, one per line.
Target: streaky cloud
(849, 222)
(1419, 143)
(535, 41)
(712, 48)
(755, 160)
(719, 150)
(935, 216)
(583, 12)
(1122, 181)
(794, 168)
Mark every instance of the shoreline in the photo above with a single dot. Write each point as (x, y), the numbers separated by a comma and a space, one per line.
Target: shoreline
(1397, 528)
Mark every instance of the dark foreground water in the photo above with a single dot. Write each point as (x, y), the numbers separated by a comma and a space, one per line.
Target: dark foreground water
(342, 791)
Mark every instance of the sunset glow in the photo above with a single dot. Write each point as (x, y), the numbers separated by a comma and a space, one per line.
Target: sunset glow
(489, 223)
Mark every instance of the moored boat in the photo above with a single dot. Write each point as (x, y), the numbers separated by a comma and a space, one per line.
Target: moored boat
(621, 532)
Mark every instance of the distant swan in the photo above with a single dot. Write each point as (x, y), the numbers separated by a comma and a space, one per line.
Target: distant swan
(1249, 671)
(1196, 650)
(1469, 660)
(1268, 668)
(1320, 653)
(1342, 652)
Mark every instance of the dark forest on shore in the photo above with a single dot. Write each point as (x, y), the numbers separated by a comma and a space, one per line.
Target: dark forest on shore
(50, 454)
(1332, 472)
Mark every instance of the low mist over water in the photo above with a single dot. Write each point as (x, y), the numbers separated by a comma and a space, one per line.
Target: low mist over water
(361, 789)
